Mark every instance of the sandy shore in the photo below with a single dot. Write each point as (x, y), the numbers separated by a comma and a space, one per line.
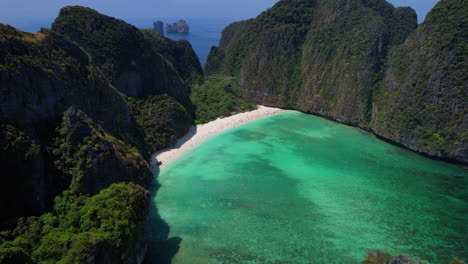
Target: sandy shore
(200, 133)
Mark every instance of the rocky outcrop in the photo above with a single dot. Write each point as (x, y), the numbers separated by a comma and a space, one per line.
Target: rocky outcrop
(402, 260)
(316, 56)
(136, 249)
(108, 227)
(180, 54)
(128, 60)
(67, 132)
(337, 59)
(93, 159)
(97, 141)
(178, 27)
(19, 156)
(42, 75)
(422, 102)
(162, 119)
(158, 27)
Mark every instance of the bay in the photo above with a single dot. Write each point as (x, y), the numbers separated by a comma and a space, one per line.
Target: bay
(295, 188)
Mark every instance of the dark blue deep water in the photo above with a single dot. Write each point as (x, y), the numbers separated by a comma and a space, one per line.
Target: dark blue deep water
(204, 32)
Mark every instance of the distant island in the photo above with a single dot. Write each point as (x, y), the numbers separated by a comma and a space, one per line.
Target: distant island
(178, 27)
(158, 27)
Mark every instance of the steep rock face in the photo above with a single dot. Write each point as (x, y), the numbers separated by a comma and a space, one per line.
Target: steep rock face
(404, 18)
(422, 101)
(93, 159)
(346, 60)
(158, 27)
(42, 75)
(17, 154)
(316, 56)
(180, 54)
(122, 53)
(65, 127)
(140, 63)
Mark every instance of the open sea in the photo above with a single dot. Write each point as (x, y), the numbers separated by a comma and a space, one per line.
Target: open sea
(296, 188)
(204, 32)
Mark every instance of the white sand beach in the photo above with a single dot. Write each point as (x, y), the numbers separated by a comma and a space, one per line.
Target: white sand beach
(200, 133)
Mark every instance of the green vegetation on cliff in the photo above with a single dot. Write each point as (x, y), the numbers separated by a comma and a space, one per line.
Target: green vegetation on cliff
(217, 97)
(144, 66)
(318, 56)
(180, 54)
(42, 75)
(91, 159)
(239, 39)
(68, 125)
(17, 154)
(422, 102)
(163, 120)
(130, 59)
(81, 229)
(359, 62)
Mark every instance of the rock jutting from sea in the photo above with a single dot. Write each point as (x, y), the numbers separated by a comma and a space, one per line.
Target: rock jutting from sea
(178, 27)
(158, 27)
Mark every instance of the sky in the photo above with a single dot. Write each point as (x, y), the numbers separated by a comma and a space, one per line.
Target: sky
(15, 11)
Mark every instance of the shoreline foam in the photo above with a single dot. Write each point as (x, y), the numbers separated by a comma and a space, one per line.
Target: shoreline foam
(200, 133)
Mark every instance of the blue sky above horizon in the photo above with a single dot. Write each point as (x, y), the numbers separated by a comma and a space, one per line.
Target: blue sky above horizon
(16, 11)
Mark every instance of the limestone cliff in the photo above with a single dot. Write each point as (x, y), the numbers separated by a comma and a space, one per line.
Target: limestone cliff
(91, 159)
(422, 102)
(70, 127)
(339, 59)
(82, 106)
(105, 228)
(129, 61)
(180, 54)
(41, 76)
(178, 27)
(322, 57)
(158, 27)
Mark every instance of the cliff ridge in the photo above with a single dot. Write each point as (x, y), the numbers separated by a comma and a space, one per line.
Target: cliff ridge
(363, 63)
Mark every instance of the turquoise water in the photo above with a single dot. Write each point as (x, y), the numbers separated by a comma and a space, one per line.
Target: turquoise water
(294, 188)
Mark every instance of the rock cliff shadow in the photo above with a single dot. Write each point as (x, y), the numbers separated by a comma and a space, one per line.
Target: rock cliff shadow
(161, 247)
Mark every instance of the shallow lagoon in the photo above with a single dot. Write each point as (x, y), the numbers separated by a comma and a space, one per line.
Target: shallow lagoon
(295, 188)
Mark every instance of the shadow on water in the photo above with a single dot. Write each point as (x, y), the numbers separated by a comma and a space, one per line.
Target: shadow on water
(162, 248)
